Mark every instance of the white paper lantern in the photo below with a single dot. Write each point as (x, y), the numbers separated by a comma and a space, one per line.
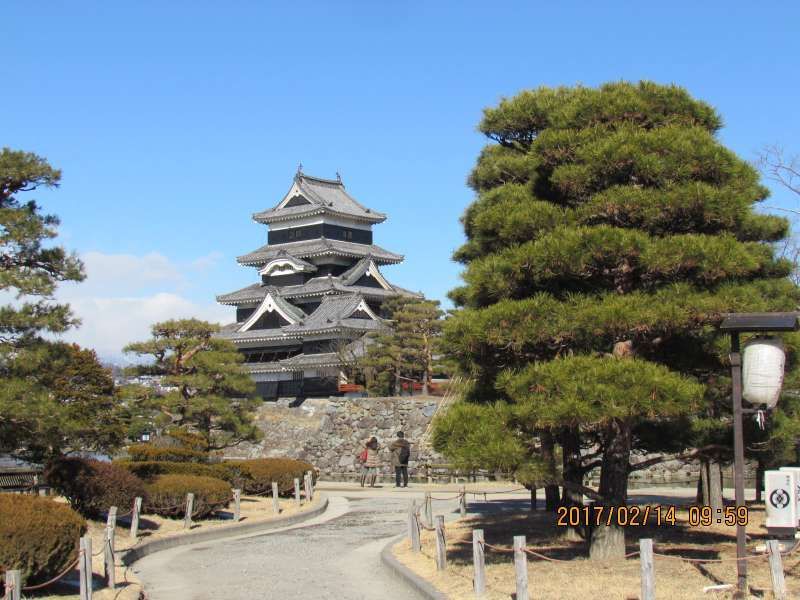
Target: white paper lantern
(762, 371)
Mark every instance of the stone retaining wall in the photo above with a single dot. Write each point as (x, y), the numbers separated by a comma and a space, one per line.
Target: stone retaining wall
(330, 432)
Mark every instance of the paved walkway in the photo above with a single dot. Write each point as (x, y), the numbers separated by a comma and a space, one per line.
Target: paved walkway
(334, 556)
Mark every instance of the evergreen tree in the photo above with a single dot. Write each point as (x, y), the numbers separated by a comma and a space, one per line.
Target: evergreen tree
(73, 407)
(207, 390)
(30, 270)
(610, 233)
(407, 351)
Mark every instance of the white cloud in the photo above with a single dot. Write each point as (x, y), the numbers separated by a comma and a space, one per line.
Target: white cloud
(126, 273)
(109, 323)
(205, 263)
(123, 295)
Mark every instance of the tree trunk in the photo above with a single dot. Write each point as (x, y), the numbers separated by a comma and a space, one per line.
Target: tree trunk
(715, 486)
(572, 466)
(425, 383)
(759, 481)
(551, 497)
(709, 491)
(533, 497)
(608, 541)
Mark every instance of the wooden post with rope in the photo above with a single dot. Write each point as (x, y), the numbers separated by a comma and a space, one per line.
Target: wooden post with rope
(478, 563)
(776, 570)
(441, 544)
(307, 487)
(413, 527)
(237, 505)
(13, 586)
(521, 566)
(275, 505)
(85, 567)
(648, 570)
(428, 509)
(297, 491)
(137, 508)
(462, 501)
(109, 562)
(310, 475)
(187, 519)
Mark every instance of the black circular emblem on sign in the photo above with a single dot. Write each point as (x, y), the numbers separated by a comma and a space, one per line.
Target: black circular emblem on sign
(779, 498)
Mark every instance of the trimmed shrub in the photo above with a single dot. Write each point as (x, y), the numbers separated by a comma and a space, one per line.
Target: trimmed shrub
(187, 439)
(38, 536)
(92, 486)
(166, 495)
(228, 471)
(259, 473)
(146, 452)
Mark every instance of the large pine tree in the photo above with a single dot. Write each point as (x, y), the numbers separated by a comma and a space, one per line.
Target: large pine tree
(610, 233)
(204, 387)
(41, 414)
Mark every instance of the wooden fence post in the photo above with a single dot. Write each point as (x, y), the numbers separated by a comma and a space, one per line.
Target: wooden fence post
(428, 509)
(111, 518)
(521, 567)
(413, 527)
(441, 544)
(310, 475)
(111, 524)
(297, 491)
(307, 486)
(237, 505)
(275, 504)
(648, 570)
(13, 585)
(109, 563)
(85, 567)
(462, 501)
(137, 508)
(478, 562)
(776, 570)
(187, 519)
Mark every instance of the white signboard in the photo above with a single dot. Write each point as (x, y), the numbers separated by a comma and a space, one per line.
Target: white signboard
(780, 490)
(796, 471)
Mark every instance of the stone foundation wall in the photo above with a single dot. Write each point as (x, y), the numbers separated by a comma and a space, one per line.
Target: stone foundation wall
(331, 432)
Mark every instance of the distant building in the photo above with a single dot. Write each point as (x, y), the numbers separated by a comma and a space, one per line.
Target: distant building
(320, 290)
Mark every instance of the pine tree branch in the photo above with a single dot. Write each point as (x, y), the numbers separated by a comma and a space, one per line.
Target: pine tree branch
(699, 453)
(586, 491)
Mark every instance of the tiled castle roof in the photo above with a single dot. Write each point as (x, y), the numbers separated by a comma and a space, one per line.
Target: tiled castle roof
(318, 286)
(318, 196)
(320, 247)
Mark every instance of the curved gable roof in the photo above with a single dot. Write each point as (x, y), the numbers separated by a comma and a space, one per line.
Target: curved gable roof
(322, 196)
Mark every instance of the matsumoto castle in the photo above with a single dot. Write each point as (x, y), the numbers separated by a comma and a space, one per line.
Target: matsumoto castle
(320, 290)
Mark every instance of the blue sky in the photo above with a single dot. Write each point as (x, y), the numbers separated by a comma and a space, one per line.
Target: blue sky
(174, 121)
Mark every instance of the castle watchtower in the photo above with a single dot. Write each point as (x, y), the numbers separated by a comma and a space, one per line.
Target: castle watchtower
(320, 290)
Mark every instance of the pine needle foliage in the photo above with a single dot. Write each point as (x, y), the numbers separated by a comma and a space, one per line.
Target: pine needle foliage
(407, 350)
(55, 398)
(206, 389)
(607, 219)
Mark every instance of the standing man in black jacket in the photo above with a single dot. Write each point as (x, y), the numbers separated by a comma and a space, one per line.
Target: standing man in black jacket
(401, 451)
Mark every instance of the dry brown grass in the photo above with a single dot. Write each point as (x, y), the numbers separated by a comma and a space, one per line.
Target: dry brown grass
(582, 579)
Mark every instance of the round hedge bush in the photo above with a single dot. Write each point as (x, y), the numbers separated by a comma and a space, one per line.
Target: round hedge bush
(147, 470)
(38, 536)
(92, 486)
(166, 495)
(259, 473)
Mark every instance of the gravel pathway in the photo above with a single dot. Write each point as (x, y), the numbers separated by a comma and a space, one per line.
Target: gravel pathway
(336, 556)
